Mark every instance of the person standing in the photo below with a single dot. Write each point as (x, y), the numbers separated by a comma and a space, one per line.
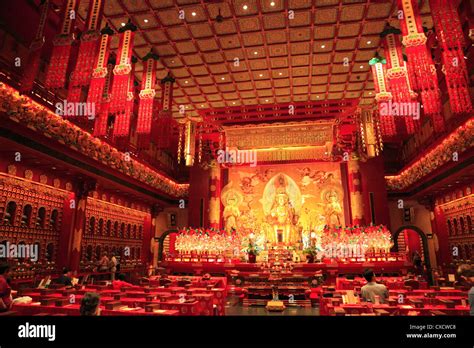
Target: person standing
(104, 263)
(5, 289)
(113, 266)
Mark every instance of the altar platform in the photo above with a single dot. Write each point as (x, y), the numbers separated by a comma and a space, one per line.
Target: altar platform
(306, 269)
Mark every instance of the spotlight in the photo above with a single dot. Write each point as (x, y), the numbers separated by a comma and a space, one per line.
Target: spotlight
(245, 7)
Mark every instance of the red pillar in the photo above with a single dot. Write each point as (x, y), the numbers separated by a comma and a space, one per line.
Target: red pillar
(439, 227)
(65, 234)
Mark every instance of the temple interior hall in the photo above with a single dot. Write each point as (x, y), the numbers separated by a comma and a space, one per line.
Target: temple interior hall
(237, 157)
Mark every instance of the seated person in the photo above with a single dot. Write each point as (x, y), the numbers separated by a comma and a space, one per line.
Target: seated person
(121, 283)
(5, 289)
(466, 278)
(65, 278)
(372, 289)
(90, 304)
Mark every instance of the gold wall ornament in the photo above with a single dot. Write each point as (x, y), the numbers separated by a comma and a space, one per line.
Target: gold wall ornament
(56, 183)
(43, 179)
(28, 174)
(12, 169)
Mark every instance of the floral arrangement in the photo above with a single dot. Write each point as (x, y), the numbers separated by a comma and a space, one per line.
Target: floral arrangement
(455, 144)
(252, 249)
(201, 241)
(372, 238)
(24, 110)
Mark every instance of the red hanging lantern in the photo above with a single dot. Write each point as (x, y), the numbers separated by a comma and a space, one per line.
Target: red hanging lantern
(162, 124)
(87, 52)
(397, 77)
(122, 70)
(34, 54)
(147, 98)
(420, 63)
(121, 129)
(98, 80)
(451, 38)
(100, 125)
(58, 64)
(382, 96)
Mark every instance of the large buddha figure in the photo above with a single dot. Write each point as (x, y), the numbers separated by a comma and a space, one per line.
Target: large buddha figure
(282, 216)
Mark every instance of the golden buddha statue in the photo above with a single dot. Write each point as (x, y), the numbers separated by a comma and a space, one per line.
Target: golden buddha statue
(332, 208)
(282, 216)
(231, 199)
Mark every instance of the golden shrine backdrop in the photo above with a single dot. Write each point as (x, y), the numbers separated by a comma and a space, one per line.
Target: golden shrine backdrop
(283, 203)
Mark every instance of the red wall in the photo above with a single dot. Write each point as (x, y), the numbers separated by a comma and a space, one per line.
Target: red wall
(198, 189)
(373, 180)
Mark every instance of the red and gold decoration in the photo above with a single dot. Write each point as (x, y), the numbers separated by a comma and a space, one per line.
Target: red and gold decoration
(98, 79)
(451, 38)
(62, 44)
(455, 144)
(162, 125)
(81, 74)
(420, 63)
(102, 117)
(189, 142)
(27, 112)
(34, 54)
(371, 140)
(121, 128)
(195, 242)
(397, 77)
(147, 99)
(180, 142)
(214, 194)
(383, 95)
(355, 189)
(122, 73)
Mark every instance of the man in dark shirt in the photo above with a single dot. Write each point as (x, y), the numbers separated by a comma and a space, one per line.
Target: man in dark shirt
(65, 278)
(5, 289)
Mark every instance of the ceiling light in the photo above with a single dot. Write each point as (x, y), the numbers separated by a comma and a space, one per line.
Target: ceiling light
(145, 20)
(245, 7)
(362, 67)
(193, 14)
(185, 81)
(280, 74)
(233, 103)
(370, 93)
(222, 78)
(323, 46)
(255, 52)
(272, 3)
(202, 105)
(123, 24)
(260, 75)
(369, 42)
(317, 96)
(266, 100)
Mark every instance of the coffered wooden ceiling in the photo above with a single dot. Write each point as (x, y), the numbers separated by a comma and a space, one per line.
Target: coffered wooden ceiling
(283, 56)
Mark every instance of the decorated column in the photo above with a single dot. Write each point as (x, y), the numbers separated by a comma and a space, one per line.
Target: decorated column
(371, 141)
(79, 223)
(355, 189)
(103, 104)
(58, 64)
(189, 142)
(84, 64)
(34, 54)
(214, 195)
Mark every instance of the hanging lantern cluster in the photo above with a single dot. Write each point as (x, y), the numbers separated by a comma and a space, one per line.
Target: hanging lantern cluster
(147, 99)
(123, 70)
(81, 74)
(100, 71)
(451, 38)
(122, 118)
(58, 64)
(420, 64)
(400, 88)
(34, 54)
(382, 96)
(162, 124)
(100, 125)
